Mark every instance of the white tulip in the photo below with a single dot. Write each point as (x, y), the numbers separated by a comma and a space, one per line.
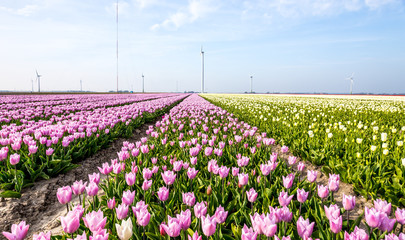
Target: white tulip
(385, 151)
(373, 148)
(383, 136)
(124, 230)
(403, 161)
(359, 140)
(330, 135)
(400, 143)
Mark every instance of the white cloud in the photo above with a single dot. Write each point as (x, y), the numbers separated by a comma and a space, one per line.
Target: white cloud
(196, 9)
(374, 4)
(123, 8)
(26, 11)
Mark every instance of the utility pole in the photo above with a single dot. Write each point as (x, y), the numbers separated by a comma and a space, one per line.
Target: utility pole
(143, 83)
(202, 70)
(251, 80)
(117, 46)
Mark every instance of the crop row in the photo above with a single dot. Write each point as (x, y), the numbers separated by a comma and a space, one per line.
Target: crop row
(201, 172)
(39, 150)
(361, 139)
(45, 107)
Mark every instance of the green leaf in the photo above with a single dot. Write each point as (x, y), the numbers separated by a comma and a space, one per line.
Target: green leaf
(10, 194)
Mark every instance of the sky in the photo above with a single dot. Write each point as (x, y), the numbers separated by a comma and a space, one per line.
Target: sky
(300, 46)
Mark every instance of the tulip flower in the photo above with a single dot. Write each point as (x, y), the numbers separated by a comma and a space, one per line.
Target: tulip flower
(64, 194)
(189, 199)
(146, 185)
(357, 234)
(200, 209)
(285, 214)
(334, 182)
(173, 227)
(312, 175)
(143, 217)
(71, 222)
(163, 194)
(284, 149)
(304, 228)
(92, 189)
(95, 221)
(243, 179)
(124, 230)
(168, 177)
(382, 206)
(192, 173)
(208, 225)
(130, 178)
(301, 166)
(42, 236)
(283, 238)
(400, 215)
(336, 224)
(14, 159)
(257, 223)
(105, 169)
(248, 233)
(128, 197)
(284, 199)
(387, 224)
(269, 227)
(111, 203)
(184, 219)
(95, 177)
(195, 236)
(122, 211)
(292, 160)
(332, 212)
(99, 235)
(18, 232)
(323, 191)
(373, 217)
(288, 181)
(220, 215)
(252, 195)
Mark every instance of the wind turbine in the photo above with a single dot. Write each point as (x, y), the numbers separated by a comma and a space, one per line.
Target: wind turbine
(39, 81)
(143, 83)
(251, 80)
(81, 89)
(351, 82)
(117, 45)
(32, 85)
(202, 69)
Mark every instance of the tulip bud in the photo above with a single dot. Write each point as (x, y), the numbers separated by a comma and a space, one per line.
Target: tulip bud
(209, 190)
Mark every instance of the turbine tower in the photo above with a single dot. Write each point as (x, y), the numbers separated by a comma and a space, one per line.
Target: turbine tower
(39, 81)
(117, 46)
(351, 83)
(251, 80)
(202, 70)
(32, 85)
(81, 89)
(143, 83)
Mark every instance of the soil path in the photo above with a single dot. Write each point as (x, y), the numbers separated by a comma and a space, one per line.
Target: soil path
(39, 206)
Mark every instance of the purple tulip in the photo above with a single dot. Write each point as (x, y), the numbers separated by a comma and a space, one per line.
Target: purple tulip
(382, 206)
(168, 177)
(111, 203)
(334, 180)
(400, 215)
(143, 217)
(195, 236)
(184, 219)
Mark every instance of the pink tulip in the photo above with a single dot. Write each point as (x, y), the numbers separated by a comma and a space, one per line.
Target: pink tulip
(292, 160)
(208, 151)
(18, 232)
(71, 222)
(168, 177)
(373, 217)
(284, 199)
(173, 227)
(101, 234)
(304, 228)
(243, 179)
(144, 149)
(130, 178)
(332, 212)
(95, 177)
(265, 169)
(78, 187)
(143, 217)
(288, 181)
(111, 203)
(334, 182)
(105, 169)
(302, 195)
(248, 233)
(357, 234)
(284, 149)
(64, 194)
(301, 166)
(387, 224)
(192, 173)
(391, 236)
(92, 189)
(193, 160)
(14, 159)
(269, 227)
(223, 171)
(285, 214)
(221, 215)
(400, 215)
(349, 202)
(95, 221)
(177, 165)
(209, 225)
(336, 224)
(382, 206)
(189, 199)
(128, 197)
(235, 171)
(146, 185)
(323, 191)
(312, 175)
(163, 194)
(184, 219)
(42, 236)
(257, 223)
(122, 211)
(252, 195)
(283, 238)
(195, 236)
(200, 209)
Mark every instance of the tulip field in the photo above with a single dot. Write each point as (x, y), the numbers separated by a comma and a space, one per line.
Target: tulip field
(361, 139)
(213, 166)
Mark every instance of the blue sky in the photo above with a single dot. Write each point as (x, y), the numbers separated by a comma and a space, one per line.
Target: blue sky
(287, 45)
